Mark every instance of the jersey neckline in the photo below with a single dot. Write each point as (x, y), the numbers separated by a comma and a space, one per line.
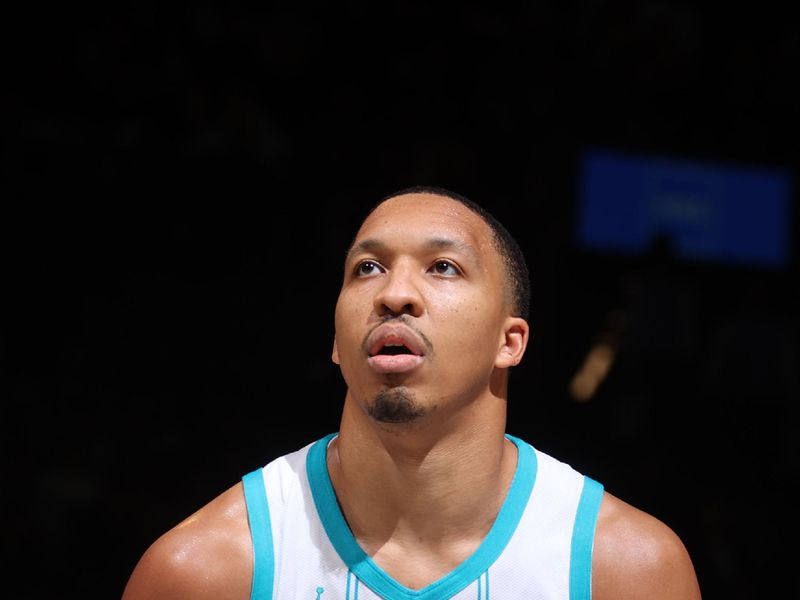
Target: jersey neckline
(448, 585)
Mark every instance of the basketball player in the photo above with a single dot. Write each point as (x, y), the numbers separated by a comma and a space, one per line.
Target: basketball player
(421, 494)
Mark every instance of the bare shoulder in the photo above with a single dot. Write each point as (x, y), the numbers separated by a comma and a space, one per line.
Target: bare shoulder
(638, 556)
(207, 555)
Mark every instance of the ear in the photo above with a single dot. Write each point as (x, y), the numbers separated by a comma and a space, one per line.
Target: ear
(513, 343)
(335, 353)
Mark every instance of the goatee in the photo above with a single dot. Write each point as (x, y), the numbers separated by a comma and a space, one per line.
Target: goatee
(395, 405)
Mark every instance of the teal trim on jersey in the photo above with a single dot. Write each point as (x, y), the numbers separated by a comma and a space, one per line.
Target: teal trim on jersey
(378, 580)
(355, 586)
(580, 564)
(485, 577)
(350, 576)
(255, 498)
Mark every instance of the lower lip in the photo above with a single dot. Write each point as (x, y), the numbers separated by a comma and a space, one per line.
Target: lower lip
(400, 363)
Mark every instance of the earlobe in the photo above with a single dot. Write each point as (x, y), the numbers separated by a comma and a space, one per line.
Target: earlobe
(335, 353)
(513, 343)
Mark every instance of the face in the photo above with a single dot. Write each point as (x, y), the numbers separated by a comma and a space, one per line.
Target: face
(423, 316)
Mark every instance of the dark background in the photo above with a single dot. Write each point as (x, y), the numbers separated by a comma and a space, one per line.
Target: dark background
(180, 185)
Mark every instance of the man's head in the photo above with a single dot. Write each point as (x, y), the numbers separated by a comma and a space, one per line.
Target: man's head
(432, 309)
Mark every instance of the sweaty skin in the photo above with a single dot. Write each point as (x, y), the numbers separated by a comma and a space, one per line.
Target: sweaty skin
(425, 337)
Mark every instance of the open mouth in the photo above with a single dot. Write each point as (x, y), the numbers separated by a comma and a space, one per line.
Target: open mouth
(394, 350)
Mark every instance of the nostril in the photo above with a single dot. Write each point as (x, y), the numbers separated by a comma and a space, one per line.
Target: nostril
(405, 309)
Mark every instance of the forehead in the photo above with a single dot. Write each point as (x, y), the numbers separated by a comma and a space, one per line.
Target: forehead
(427, 216)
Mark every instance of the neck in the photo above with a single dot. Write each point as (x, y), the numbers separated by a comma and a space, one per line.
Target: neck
(422, 487)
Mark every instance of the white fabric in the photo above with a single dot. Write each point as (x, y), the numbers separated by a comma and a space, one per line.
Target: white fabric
(533, 566)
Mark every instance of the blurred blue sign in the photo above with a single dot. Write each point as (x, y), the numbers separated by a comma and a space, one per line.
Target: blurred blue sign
(705, 211)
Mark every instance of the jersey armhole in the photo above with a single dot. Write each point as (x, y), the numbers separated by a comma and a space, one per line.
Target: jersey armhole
(255, 498)
(580, 564)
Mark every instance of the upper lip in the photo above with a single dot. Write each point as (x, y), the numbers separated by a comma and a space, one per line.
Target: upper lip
(394, 334)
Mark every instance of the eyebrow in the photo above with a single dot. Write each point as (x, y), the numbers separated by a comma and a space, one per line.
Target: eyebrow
(435, 243)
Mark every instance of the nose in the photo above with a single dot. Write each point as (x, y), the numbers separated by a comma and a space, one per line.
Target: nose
(400, 294)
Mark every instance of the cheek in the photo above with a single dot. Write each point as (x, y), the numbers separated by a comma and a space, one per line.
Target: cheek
(471, 322)
(348, 317)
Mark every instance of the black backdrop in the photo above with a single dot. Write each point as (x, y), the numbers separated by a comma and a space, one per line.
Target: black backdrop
(181, 183)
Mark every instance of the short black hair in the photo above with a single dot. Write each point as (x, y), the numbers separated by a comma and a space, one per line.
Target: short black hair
(508, 248)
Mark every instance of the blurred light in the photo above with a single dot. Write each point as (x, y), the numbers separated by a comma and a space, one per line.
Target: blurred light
(593, 371)
(720, 213)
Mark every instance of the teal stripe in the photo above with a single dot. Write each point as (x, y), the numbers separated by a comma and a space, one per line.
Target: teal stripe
(255, 497)
(483, 588)
(580, 565)
(366, 570)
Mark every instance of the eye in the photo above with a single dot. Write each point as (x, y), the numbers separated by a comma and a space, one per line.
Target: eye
(366, 268)
(445, 268)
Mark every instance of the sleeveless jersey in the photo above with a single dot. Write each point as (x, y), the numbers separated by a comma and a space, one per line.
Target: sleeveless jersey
(539, 547)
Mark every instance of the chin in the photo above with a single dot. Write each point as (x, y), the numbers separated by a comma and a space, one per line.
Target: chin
(395, 405)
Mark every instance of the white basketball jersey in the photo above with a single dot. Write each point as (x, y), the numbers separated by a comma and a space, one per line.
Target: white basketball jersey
(539, 547)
